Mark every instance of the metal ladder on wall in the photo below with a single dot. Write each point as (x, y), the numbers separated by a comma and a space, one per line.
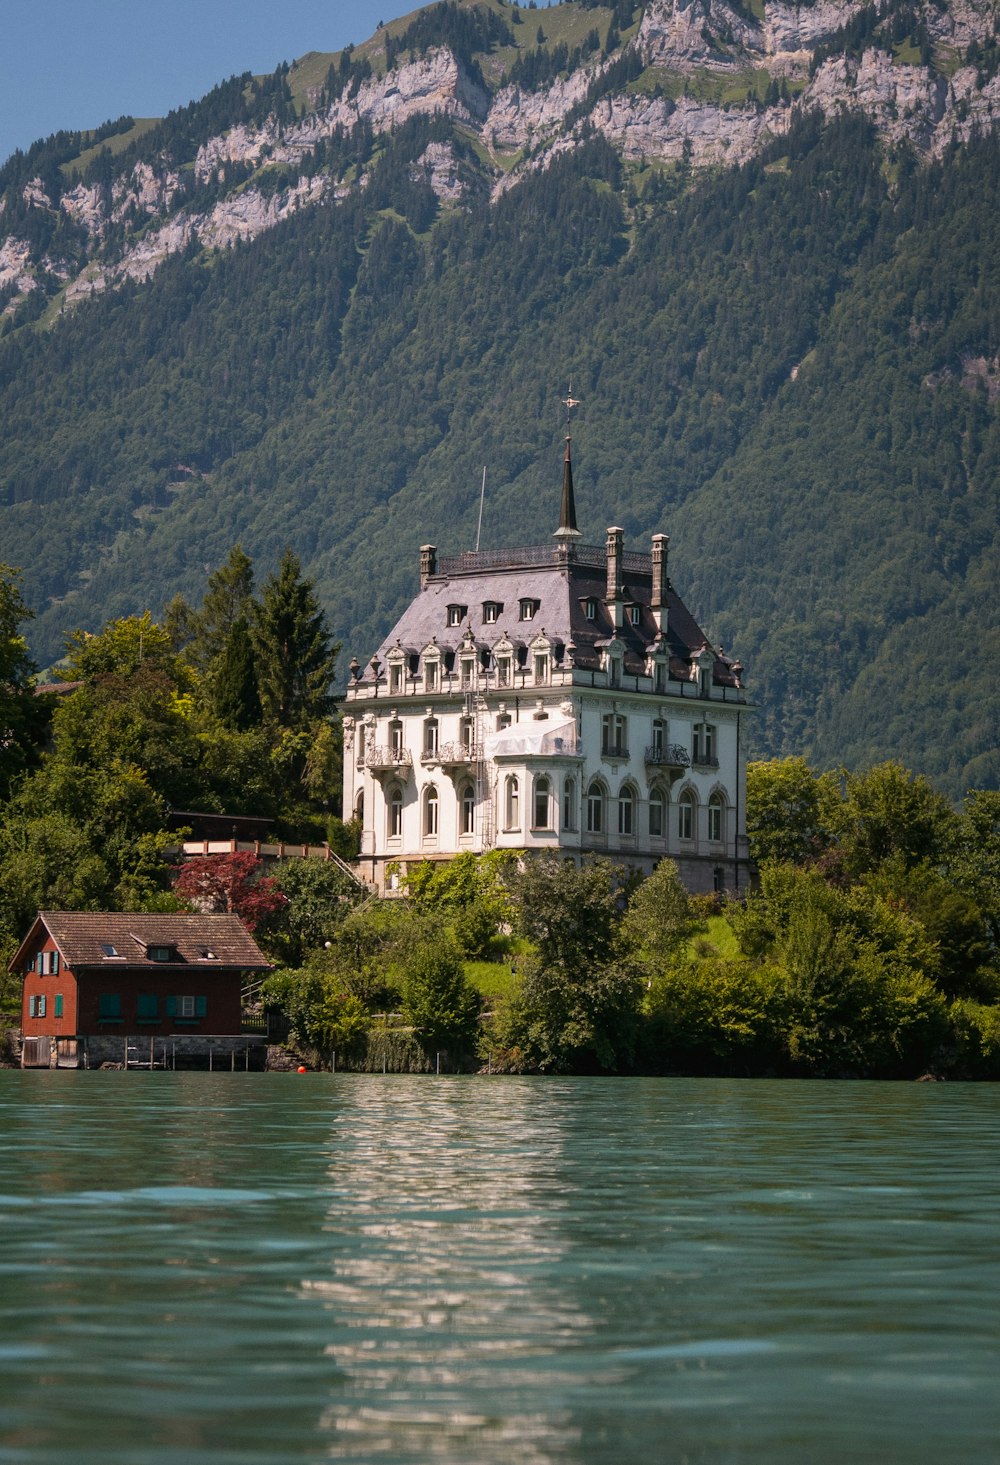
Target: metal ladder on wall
(476, 709)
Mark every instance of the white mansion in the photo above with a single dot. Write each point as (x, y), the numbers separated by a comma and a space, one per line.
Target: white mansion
(557, 697)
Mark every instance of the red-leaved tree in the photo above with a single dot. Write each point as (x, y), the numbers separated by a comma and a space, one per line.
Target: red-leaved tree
(233, 883)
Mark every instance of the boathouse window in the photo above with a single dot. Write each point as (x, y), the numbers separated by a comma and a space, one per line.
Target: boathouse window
(109, 1007)
(147, 1007)
(186, 1008)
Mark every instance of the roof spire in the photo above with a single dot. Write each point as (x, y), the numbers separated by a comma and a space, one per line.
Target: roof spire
(567, 507)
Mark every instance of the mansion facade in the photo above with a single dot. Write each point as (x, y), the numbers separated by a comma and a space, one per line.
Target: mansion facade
(557, 697)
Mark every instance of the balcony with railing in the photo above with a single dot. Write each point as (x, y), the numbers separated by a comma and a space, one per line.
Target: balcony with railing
(389, 759)
(455, 754)
(668, 755)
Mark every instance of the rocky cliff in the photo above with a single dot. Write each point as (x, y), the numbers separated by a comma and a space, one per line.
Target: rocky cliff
(710, 83)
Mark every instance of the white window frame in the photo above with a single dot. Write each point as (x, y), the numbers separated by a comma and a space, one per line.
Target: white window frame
(595, 807)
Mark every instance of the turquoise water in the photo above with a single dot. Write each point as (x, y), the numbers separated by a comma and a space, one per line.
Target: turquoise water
(268, 1268)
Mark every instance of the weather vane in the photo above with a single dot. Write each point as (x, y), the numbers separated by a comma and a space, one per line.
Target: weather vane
(569, 403)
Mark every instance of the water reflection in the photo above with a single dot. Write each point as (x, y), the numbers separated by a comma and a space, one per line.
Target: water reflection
(263, 1269)
(446, 1321)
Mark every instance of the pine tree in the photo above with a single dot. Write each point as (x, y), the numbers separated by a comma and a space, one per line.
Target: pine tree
(234, 695)
(227, 600)
(295, 655)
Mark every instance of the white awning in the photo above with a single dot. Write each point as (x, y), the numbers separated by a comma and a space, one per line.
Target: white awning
(532, 739)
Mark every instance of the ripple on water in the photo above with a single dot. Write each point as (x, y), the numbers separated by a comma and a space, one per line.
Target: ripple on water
(243, 1268)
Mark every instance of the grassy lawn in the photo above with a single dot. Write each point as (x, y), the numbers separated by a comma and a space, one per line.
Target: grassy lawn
(491, 978)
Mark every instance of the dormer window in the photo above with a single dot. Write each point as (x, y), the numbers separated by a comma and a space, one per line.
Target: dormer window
(503, 671)
(468, 665)
(528, 609)
(590, 609)
(457, 614)
(634, 614)
(432, 669)
(396, 676)
(491, 612)
(541, 668)
(160, 953)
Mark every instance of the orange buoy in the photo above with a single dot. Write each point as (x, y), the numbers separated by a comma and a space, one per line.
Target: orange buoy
(301, 1068)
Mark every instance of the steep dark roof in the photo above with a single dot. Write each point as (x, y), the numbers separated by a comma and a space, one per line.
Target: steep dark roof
(82, 935)
(561, 581)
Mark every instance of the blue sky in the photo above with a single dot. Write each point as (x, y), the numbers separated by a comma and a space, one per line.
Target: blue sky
(75, 63)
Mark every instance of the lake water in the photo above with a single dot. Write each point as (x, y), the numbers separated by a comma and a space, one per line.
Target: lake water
(270, 1268)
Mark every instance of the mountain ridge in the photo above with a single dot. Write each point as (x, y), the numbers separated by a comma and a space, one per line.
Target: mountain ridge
(791, 364)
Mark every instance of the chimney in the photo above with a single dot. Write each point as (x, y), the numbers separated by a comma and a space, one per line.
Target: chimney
(614, 589)
(658, 592)
(428, 563)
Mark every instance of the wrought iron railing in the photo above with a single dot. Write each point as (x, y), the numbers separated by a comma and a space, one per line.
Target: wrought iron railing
(668, 755)
(388, 758)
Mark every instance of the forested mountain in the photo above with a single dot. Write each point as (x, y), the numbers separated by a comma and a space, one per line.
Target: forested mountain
(760, 240)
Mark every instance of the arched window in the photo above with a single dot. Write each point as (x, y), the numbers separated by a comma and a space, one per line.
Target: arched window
(395, 813)
(542, 811)
(715, 811)
(359, 806)
(626, 811)
(595, 808)
(685, 816)
(569, 804)
(467, 822)
(431, 813)
(657, 814)
(512, 804)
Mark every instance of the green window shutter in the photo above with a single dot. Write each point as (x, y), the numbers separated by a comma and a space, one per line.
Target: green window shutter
(200, 1006)
(109, 1005)
(32, 1006)
(59, 1004)
(170, 1006)
(55, 963)
(148, 1005)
